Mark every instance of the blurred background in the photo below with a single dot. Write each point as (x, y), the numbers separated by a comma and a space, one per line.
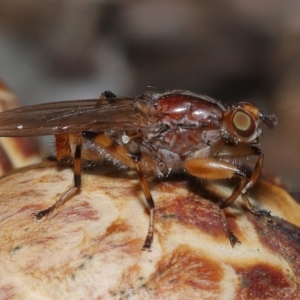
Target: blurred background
(232, 50)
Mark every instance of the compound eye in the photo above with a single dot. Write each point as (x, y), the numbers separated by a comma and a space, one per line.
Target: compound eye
(244, 124)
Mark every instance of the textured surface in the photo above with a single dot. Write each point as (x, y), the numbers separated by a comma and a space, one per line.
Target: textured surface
(90, 248)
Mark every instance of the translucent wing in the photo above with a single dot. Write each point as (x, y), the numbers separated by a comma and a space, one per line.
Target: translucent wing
(71, 116)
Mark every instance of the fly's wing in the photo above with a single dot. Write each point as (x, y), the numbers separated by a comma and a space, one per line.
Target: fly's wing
(71, 117)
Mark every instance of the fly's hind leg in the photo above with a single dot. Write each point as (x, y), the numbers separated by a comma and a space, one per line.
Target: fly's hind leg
(64, 154)
(132, 161)
(77, 174)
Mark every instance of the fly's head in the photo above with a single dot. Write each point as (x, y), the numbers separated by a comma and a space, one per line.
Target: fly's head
(242, 123)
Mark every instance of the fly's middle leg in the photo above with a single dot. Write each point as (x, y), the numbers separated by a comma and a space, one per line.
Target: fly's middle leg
(149, 199)
(132, 161)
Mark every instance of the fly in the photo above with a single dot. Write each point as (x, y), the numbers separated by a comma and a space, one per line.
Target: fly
(154, 134)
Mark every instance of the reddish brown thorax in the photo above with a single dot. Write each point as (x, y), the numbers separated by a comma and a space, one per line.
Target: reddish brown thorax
(188, 110)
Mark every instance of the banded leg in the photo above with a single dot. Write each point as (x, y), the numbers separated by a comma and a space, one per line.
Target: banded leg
(233, 239)
(70, 192)
(150, 202)
(133, 161)
(64, 153)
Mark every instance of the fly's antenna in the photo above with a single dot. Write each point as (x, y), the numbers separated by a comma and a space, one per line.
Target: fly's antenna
(269, 119)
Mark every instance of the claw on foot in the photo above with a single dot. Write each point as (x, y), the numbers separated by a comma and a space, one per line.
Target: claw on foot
(233, 239)
(262, 213)
(38, 216)
(147, 243)
(257, 212)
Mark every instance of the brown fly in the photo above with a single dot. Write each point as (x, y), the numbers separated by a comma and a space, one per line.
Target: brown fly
(154, 134)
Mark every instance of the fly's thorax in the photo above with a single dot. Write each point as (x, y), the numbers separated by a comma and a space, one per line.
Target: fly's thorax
(188, 111)
(188, 122)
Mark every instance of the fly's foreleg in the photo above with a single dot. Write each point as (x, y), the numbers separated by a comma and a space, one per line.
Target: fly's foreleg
(248, 180)
(214, 169)
(70, 192)
(246, 183)
(133, 161)
(250, 184)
